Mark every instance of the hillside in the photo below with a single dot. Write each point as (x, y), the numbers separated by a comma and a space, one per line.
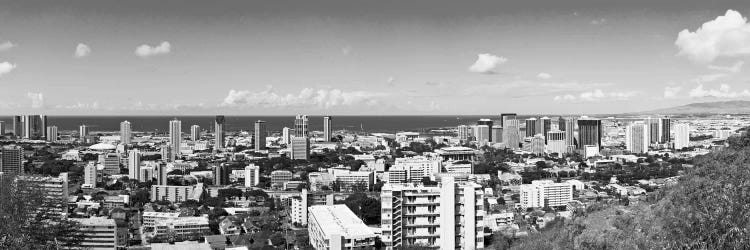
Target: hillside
(725, 107)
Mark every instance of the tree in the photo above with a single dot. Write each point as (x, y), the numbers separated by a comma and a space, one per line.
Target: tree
(366, 208)
(140, 197)
(229, 193)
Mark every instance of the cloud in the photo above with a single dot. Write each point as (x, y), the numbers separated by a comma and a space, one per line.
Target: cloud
(80, 106)
(724, 91)
(486, 63)
(321, 98)
(7, 45)
(595, 96)
(725, 36)
(598, 21)
(6, 67)
(709, 77)
(37, 99)
(544, 76)
(146, 51)
(735, 68)
(671, 91)
(82, 50)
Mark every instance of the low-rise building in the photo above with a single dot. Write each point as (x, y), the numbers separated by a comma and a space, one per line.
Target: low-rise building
(98, 233)
(337, 227)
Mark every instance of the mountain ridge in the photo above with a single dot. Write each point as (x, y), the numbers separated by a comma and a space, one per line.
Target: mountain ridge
(720, 107)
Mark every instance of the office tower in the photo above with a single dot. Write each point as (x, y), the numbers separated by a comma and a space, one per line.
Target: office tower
(418, 215)
(195, 132)
(545, 125)
(653, 129)
(252, 175)
(34, 126)
(161, 174)
(18, 126)
(300, 148)
(556, 142)
(134, 164)
(2, 128)
(83, 131)
(221, 174)
(637, 137)
(546, 193)
(11, 162)
(337, 227)
(497, 134)
(531, 127)
(537, 144)
(51, 134)
(286, 135)
(464, 132)
(327, 128)
(568, 125)
(301, 126)
(665, 125)
(175, 137)
(111, 163)
(489, 124)
(482, 134)
(260, 135)
(589, 132)
(506, 116)
(125, 133)
(89, 175)
(681, 135)
(219, 132)
(511, 134)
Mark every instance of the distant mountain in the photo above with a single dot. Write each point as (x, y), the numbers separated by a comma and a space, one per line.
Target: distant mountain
(726, 107)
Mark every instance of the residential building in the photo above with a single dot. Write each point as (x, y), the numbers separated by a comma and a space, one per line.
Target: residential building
(481, 134)
(637, 137)
(545, 125)
(83, 131)
(252, 176)
(182, 226)
(150, 218)
(260, 135)
(556, 142)
(537, 144)
(327, 128)
(176, 194)
(301, 204)
(11, 162)
(195, 133)
(111, 163)
(337, 227)
(568, 125)
(98, 233)
(34, 126)
(219, 135)
(511, 134)
(280, 176)
(545, 193)
(125, 133)
(681, 135)
(301, 126)
(134, 164)
(464, 133)
(52, 134)
(489, 124)
(90, 174)
(665, 130)
(497, 134)
(300, 148)
(350, 181)
(175, 138)
(286, 136)
(221, 175)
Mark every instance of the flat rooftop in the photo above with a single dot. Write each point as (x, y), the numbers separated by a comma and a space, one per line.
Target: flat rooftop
(339, 219)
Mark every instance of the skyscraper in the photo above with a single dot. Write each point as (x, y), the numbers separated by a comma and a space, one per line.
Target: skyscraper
(286, 135)
(482, 134)
(327, 128)
(252, 175)
(665, 125)
(653, 129)
(681, 135)
(175, 137)
(556, 142)
(34, 126)
(488, 123)
(89, 175)
(51, 133)
(134, 164)
(111, 163)
(589, 132)
(83, 131)
(531, 127)
(511, 134)
(497, 134)
(161, 174)
(260, 135)
(2, 128)
(545, 125)
(464, 132)
(506, 116)
(195, 133)
(568, 125)
(219, 132)
(18, 126)
(221, 175)
(300, 148)
(300, 126)
(637, 137)
(11, 161)
(125, 133)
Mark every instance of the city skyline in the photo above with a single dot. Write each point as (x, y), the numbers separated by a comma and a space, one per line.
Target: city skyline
(378, 58)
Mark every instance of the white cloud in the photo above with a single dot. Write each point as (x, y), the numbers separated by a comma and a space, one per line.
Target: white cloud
(321, 98)
(595, 96)
(7, 45)
(37, 99)
(486, 63)
(725, 36)
(724, 91)
(709, 77)
(146, 50)
(598, 21)
(735, 68)
(671, 91)
(80, 106)
(6, 67)
(544, 76)
(82, 50)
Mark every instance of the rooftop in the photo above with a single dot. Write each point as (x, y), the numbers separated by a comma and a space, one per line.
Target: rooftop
(338, 219)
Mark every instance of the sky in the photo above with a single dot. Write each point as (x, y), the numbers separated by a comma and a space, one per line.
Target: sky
(367, 57)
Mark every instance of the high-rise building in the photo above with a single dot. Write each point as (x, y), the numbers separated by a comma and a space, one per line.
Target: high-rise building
(2, 128)
(300, 126)
(489, 124)
(568, 125)
(482, 134)
(545, 125)
(418, 215)
(221, 175)
(90, 175)
(219, 132)
(506, 116)
(125, 133)
(300, 148)
(531, 127)
(161, 174)
(681, 135)
(18, 126)
(337, 227)
(195, 133)
(511, 134)
(134, 164)
(252, 175)
(556, 142)
(286, 135)
(327, 128)
(111, 163)
(589, 132)
(546, 193)
(497, 134)
(537, 144)
(260, 135)
(665, 125)
(637, 137)
(464, 132)
(11, 162)
(34, 126)
(51, 134)
(653, 129)
(175, 137)
(83, 131)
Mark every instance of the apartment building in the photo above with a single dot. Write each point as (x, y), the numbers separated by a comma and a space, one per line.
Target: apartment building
(337, 227)
(541, 193)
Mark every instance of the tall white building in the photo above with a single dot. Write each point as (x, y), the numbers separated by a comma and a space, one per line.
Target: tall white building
(637, 137)
(413, 169)
(89, 175)
(134, 164)
(219, 132)
(541, 193)
(52, 133)
(556, 142)
(83, 131)
(175, 138)
(337, 227)
(681, 135)
(195, 133)
(300, 148)
(449, 216)
(464, 132)
(111, 163)
(286, 135)
(327, 128)
(125, 133)
(511, 133)
(301, 126)
(252, 176)
(482, 134)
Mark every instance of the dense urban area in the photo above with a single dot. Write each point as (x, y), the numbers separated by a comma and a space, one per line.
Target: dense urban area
(505, 182)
